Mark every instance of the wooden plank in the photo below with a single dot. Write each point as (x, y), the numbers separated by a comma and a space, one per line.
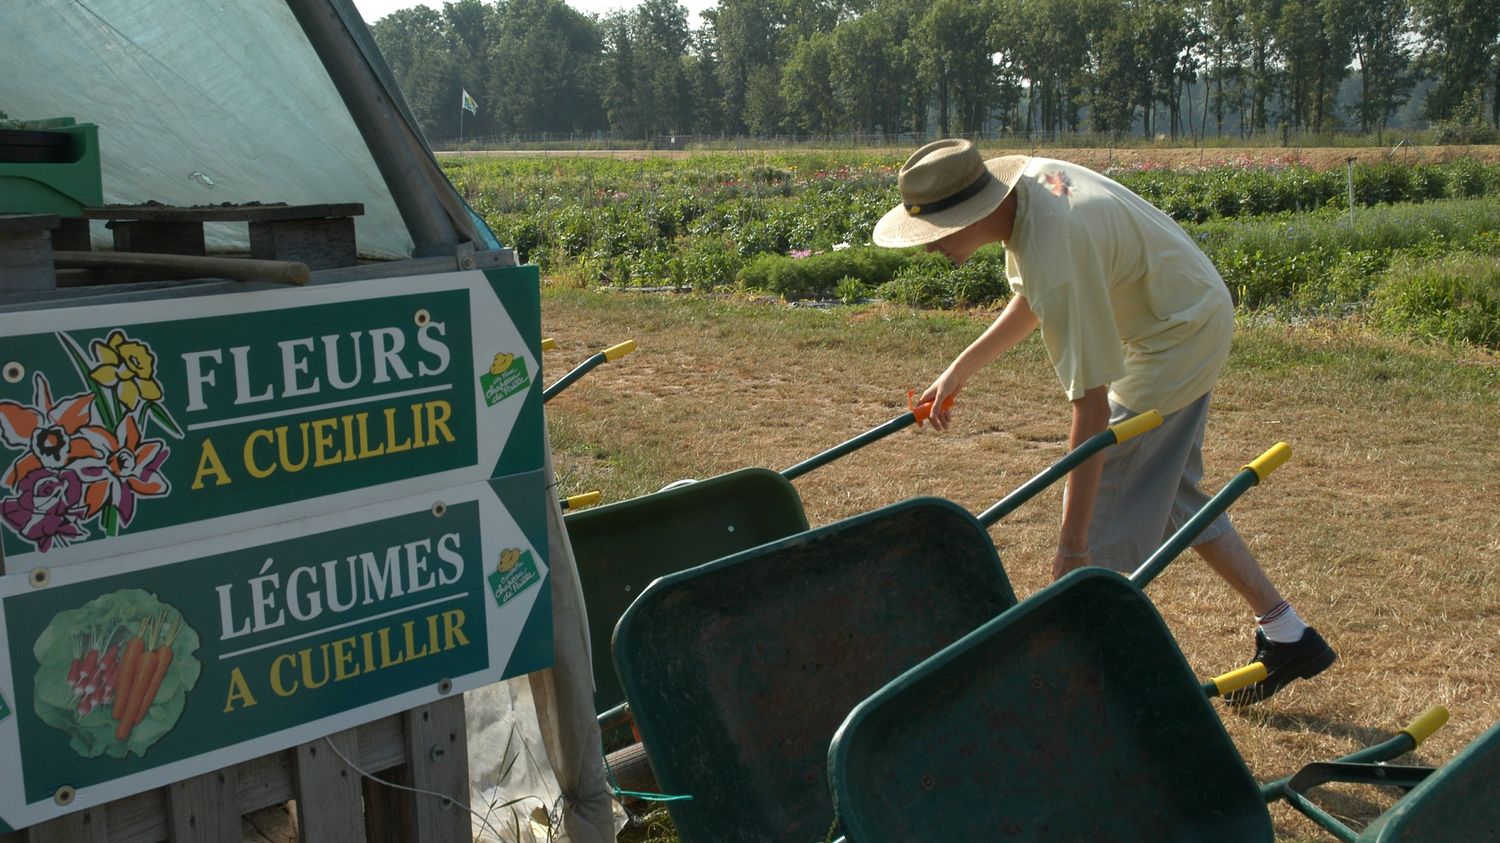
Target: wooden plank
(26, 261)
(11, 223)
(224, 213)
(329, 804)
(161, 238)
(86, 826)
(437, 746)
(388, 810)
(205, 809)
(320, 243)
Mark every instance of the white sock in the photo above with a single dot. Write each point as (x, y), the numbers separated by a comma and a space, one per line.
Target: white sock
(1281, 624)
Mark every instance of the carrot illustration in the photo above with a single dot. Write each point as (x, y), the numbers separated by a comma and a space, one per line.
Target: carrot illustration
(163, 661)
(128, 667)
(149, 673)
(137, 701)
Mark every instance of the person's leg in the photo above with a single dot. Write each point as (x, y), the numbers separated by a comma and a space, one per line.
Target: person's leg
(1289, 648)
(1228, 556)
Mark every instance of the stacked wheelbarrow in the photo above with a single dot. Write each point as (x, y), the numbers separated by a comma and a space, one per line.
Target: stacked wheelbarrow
(876, 678)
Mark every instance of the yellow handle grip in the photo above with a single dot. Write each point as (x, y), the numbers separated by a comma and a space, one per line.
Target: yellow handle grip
(1426, 723)
(1234, 680)
(615, 352)
(1135, 425)
(548, 343)
(1271, 460)
(585, 499)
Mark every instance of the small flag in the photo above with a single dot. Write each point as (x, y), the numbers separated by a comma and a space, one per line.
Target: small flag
(469, 104)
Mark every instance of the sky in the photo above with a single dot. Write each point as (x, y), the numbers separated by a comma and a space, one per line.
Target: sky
(374, 10)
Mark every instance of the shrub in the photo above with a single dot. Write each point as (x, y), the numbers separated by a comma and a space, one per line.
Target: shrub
(1455, 299)
(850, 290)
(818, 276)
(932, 281)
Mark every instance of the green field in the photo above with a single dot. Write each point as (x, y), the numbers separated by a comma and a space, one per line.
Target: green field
(1417, 254)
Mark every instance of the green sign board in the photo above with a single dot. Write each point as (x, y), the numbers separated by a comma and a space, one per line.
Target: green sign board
(134, 425)
(167, 663)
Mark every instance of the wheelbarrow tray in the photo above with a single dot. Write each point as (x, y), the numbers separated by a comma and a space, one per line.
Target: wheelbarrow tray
(739, 671)
(623, 546)
(1073, 716)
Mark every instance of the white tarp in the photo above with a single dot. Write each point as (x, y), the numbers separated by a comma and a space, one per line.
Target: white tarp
(197, 103)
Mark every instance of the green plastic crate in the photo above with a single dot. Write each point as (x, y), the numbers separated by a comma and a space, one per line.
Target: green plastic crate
(64, 188)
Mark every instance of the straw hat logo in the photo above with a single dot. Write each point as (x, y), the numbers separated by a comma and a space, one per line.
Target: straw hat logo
(946, 186)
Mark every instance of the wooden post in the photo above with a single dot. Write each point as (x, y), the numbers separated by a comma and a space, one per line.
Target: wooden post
(86, 826)
(205, 809)
(328, 791)
(437, 752)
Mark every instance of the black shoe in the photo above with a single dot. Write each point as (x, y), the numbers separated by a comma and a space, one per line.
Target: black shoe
(1301, 659)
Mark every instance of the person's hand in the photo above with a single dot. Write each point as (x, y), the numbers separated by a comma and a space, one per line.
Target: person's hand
(941, 394)
(1066, 560)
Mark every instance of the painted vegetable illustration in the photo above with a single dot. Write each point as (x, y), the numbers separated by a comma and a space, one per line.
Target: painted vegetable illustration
(114, 674)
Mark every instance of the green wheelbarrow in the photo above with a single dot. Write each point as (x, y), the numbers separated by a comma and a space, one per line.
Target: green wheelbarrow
(622, 547)
(1454, 802)
(1073, 716)
(739, 671)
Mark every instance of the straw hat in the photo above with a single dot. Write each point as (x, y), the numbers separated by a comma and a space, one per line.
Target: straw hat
(945, 186)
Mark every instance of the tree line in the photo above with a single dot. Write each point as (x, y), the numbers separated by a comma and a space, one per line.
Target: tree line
(882, 67)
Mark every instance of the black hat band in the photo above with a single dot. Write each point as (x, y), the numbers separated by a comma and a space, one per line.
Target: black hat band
(973, 189)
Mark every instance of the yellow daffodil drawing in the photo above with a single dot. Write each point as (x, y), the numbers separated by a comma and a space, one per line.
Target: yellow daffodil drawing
(128, 368)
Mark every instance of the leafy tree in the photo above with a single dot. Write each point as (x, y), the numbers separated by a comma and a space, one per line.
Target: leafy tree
(415, 47)
(621, 95)
(954, 45)
(808, 89)
(748, 33)
(1378, 29)
(1461, 45)
(661, 38)
(544, 62)
(1227, 50)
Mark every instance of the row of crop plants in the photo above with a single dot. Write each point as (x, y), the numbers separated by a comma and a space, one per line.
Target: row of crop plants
(1419, 255)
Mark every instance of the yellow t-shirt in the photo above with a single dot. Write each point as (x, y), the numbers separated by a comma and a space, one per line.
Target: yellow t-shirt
(1124, 296)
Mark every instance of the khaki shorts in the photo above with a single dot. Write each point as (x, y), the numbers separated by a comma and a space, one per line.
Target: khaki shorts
(1150, 488)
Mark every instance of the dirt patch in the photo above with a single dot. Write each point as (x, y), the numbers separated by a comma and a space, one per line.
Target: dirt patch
(1320, 157)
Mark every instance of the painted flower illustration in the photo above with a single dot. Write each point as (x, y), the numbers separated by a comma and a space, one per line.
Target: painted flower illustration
(126, 467)
(48, 508)
(46, 432)
(1057, 182)
(85, 458)
(128, 367)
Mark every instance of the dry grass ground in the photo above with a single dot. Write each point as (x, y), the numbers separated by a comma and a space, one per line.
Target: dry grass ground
(1384, 529)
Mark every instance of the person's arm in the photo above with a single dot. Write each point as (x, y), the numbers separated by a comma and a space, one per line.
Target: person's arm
(1012, 326)
(1090, 417)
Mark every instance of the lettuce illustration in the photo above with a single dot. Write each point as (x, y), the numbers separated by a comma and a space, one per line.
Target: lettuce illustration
(111, 621)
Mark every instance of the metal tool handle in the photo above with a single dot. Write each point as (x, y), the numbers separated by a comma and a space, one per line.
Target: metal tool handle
(576, 501)
(614, 352)
(1128, 429)
(916, 415)
(1241, 677)
(1403, 742)
(1257, 470)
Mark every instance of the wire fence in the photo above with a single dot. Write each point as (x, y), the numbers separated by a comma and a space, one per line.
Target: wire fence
(605, 141)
